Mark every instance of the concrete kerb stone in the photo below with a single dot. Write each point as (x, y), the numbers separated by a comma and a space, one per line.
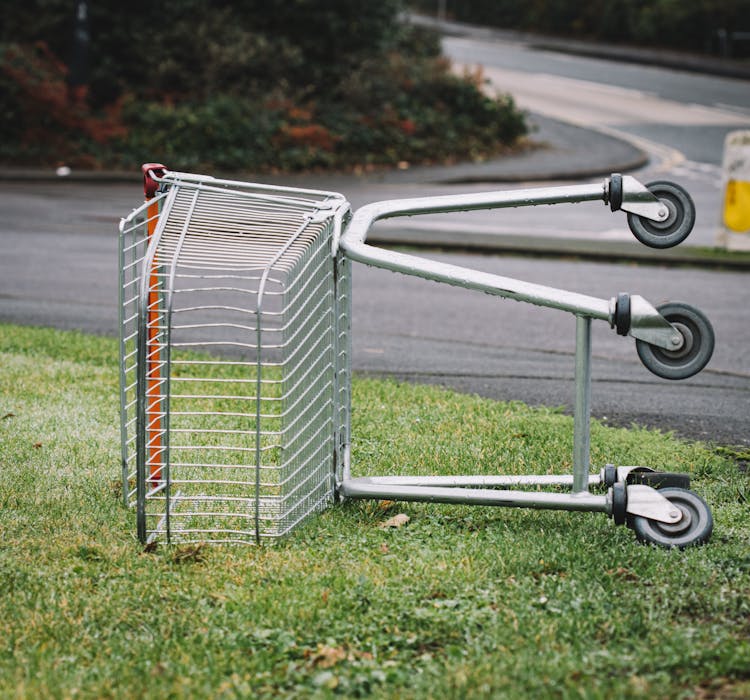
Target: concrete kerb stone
(567, 152)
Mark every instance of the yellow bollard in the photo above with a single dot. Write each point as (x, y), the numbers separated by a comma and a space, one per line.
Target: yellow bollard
(734, 233)
(737, 206)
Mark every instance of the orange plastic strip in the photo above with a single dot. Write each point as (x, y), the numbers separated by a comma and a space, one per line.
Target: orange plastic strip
(154, 422)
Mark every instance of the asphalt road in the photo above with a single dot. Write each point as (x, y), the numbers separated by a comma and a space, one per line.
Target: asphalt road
(680, 119)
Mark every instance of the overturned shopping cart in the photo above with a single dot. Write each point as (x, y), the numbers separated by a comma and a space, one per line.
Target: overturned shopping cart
(236, 359)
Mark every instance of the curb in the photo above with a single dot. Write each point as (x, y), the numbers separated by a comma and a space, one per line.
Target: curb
(10, 174)
(470, 241)
(620, 252)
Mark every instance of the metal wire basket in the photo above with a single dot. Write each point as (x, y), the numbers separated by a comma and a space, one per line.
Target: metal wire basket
(233, 382)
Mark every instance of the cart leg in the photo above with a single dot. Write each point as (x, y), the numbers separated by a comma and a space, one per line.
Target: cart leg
(582, 410)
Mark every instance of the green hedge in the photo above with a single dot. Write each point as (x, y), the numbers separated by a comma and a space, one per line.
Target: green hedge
(273, 85)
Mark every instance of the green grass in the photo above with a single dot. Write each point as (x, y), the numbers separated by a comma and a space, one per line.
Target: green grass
(459, 603)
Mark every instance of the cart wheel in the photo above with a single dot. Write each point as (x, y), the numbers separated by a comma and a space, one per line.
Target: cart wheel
(619, 503)
(693, 528)
(695, 352)
(678, 224)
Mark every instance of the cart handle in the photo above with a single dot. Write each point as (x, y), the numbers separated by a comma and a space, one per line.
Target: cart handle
(354, 245)
(646, 323)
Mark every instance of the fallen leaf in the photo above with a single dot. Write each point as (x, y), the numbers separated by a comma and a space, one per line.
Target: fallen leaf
(158, 669)
(327, 656)
(8, 415)
(622, 572)
(396, 521)
(115, 487)
(195, 553)
(37, 445)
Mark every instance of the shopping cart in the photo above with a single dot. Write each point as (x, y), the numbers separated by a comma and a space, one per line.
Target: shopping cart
(236, 359)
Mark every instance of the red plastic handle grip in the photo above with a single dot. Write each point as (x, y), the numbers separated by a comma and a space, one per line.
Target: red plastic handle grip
(150, 185)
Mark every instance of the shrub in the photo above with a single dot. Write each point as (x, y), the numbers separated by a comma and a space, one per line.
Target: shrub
(40, 120)
(250, 85)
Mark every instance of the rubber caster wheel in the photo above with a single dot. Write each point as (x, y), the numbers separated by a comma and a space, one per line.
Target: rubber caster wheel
(678, 224)
(694, 528)
(619, 503)
(696, 350)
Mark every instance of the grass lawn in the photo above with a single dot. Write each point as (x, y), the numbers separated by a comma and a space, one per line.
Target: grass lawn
(460, 602)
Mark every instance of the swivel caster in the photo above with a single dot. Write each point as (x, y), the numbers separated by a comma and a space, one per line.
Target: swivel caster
(694, 353)
(672, 230)
(658, 480)
(693, 528)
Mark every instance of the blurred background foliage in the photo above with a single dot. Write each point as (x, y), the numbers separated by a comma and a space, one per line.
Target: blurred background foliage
(277, 85)
(284, 85)
(689, 25)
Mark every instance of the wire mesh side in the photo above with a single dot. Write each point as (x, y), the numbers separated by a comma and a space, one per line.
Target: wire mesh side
(305, 469)
(132, 248)
(246, 341)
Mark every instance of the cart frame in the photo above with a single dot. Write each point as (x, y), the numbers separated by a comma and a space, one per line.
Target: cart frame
(645, 323)
(674, 341)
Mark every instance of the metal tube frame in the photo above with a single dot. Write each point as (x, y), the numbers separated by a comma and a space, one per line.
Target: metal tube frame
(349, 244)
(483, 490)
(647, 321)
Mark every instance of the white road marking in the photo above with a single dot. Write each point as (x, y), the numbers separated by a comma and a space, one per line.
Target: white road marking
(590, 103)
